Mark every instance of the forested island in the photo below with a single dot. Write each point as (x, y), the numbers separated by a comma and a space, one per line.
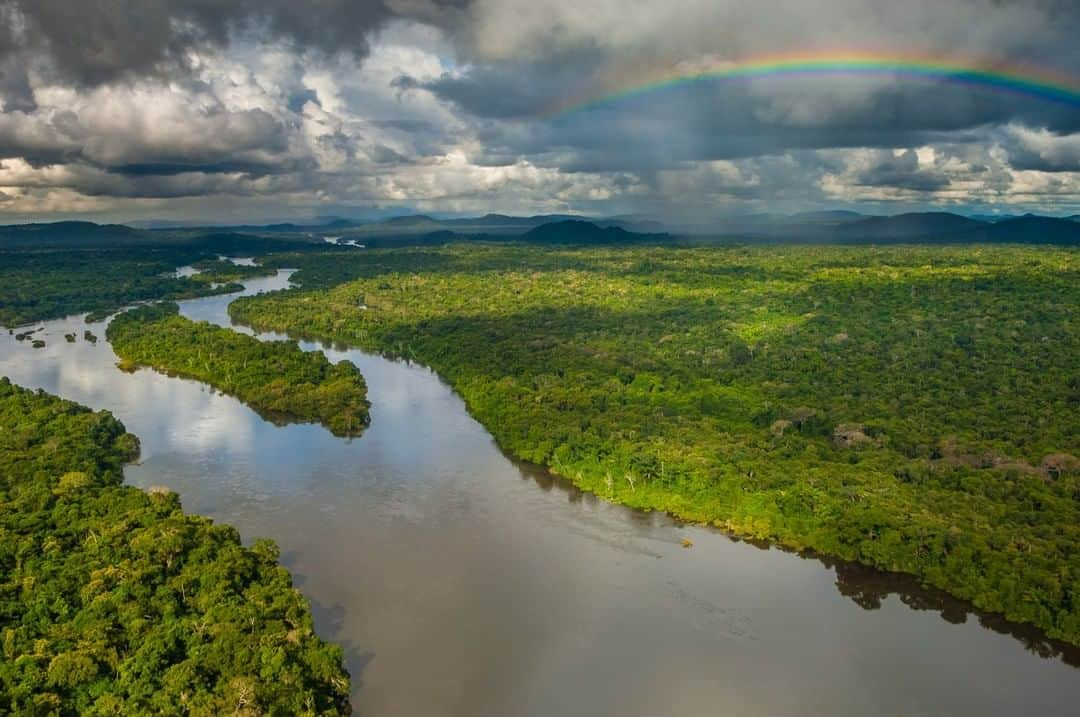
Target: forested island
(113, 601)
(223, 271)
(276, 378)
(910, 408)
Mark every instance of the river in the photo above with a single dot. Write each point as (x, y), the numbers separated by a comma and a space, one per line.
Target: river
(462, 583)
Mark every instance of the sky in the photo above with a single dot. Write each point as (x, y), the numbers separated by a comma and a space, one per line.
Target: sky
(236, 111)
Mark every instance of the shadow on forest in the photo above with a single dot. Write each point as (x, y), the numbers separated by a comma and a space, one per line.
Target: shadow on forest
(329, 269)
(668, 264)
(526, 343)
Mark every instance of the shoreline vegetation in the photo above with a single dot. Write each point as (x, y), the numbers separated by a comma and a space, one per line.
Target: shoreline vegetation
(222, 271)
(277, 379)
(908, 408)
(113, 601)
(48, 271)
(43, 285)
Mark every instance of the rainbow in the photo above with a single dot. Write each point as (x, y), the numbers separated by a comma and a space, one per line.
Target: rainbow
(1036, 84)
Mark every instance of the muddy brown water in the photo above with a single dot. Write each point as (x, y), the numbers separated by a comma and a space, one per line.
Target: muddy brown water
(462, 583)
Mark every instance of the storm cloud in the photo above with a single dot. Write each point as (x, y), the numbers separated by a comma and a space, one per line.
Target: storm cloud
(121, 107)
(96, 41)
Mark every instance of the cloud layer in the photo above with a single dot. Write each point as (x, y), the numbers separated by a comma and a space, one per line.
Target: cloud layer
(240, 110)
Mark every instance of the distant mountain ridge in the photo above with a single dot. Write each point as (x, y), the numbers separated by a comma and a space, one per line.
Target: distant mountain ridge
(73, 233)
(905, 227)
(1032, 229)
(832, 215)
(88, 235)
(823, 227)
(910, 227)
(577, 231)
(935, 227)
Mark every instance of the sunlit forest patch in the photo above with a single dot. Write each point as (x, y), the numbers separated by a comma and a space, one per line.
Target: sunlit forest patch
(912, 408)
(276, 378)
(113, 601)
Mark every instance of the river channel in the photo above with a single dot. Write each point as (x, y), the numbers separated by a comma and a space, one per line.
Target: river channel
(462, 583)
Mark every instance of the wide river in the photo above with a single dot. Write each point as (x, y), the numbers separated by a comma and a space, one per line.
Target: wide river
(462, 583)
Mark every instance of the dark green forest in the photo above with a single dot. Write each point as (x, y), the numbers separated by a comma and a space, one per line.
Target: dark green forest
(39, 285)
(113, 601)
(276, 378)
(48, 271)
(911, 408)
(222, 271)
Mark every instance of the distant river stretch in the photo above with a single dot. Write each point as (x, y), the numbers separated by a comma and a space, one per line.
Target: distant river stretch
(461, 583)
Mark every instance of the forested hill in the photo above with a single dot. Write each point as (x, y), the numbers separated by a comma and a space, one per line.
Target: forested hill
(942, 227)
(71, 234)
(573, 231)
(114, 602)
(921, 226)
(1032, 230)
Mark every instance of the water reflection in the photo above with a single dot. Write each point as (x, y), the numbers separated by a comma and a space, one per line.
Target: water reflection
(869, 589)
(461, 583)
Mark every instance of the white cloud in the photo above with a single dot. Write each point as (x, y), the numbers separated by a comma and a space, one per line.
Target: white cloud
(292, 129)
(1042, 149)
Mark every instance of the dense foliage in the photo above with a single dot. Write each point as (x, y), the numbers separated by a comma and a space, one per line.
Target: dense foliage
(112, 601)
(276, 378)
(37, 285)
(911, 408)
(224, 271)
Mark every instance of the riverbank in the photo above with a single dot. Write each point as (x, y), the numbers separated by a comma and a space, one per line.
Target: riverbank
(277, 379)
(771, 392)
(115, 601)
(421, 532)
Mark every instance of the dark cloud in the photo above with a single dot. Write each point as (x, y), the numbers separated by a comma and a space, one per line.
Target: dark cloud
(254, 169)
(381, 154)
(90, 42)
(215, 141)
(300, 97)
(514, 90)
(465, 104)
(511, 104)
(1042, 150)
(529, 65)
(38, 142)
(404, 125)
(16, 94)
(900, 171)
